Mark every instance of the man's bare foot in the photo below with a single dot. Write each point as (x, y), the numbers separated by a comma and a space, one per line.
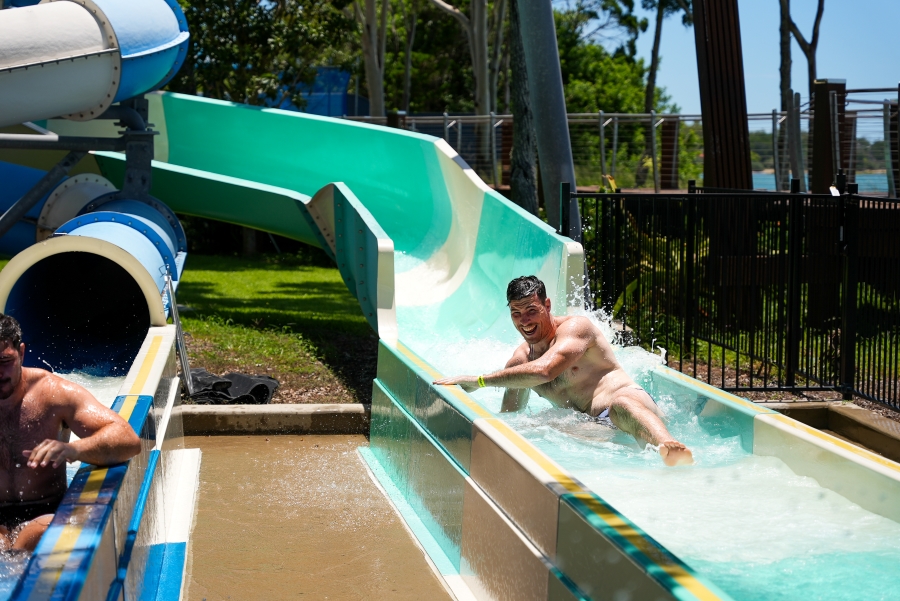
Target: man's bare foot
(674, 453)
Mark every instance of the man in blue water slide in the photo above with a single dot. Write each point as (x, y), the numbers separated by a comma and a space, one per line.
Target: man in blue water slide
(568, 361)
(37, 411)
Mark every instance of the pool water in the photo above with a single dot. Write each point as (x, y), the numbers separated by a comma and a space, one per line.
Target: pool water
(105, 390)
(747, 523)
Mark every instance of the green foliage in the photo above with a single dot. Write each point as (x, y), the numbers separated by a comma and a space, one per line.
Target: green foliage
(249, 51)
(441, 75)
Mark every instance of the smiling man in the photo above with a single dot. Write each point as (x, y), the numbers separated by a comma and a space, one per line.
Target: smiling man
(37, 410)
(568, 361)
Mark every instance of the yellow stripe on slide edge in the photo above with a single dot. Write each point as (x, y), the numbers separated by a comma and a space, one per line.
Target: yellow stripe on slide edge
(713, 390)
(54, 564)
(128, 406)
(657, 555)
(146, 365)
(456, 392)
(545, 463)
(837, 441)
(92, 486)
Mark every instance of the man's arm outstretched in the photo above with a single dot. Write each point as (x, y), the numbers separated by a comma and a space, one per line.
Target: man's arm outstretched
(105, 438)
(572, 341)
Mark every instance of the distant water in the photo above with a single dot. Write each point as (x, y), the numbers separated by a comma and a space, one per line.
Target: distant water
(868, 182)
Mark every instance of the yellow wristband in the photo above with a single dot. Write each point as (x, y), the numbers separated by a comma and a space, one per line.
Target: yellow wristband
(481, 381)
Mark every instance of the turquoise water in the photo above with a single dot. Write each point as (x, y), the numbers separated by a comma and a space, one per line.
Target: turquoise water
(747, 523)
(868, 182)
(105, 390)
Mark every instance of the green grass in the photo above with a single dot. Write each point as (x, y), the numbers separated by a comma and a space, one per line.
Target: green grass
(280, 316)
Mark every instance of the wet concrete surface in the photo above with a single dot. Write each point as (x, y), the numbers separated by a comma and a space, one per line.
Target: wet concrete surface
(297, 517)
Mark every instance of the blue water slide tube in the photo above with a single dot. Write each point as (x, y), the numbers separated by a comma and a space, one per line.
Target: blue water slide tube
(98, 51)
(89, 271)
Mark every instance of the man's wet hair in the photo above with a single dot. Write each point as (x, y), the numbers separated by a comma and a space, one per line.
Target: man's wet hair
(10, 331)
(524, 287)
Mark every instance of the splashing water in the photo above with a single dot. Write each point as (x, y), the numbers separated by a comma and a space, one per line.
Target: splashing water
(747, 523)
(105, 390)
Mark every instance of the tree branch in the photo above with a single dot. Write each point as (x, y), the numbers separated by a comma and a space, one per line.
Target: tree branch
(454, 12)
(463, 20)
(814, 42)
(804, 45)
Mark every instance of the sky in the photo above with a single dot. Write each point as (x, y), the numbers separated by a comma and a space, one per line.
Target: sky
(858, 42)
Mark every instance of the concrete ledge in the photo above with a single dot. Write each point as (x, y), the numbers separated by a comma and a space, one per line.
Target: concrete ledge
(224, 420)
(850, 421)
(869, 429)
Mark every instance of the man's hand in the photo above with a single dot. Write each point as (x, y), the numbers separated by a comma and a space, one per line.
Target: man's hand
(467, 383)
(51, 452)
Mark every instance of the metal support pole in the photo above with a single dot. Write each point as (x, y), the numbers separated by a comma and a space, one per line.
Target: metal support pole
(888, 151)
(493, 151)
(548, 102)
(776, 162)
(179, 337)
(21, 207)
(565, 202)
(849, 238)
(835, 133)
(797, 167)
(654, 160)
(795, 248)
(602, 144)
(446, 128)
(459, 134)
(615, 148)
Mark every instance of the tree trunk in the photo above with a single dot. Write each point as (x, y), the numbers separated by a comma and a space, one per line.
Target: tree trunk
(523, 175)
(373, 53)
(787, 94)
(496, 58)
(640, 175)
(407, 67)
(248, 237)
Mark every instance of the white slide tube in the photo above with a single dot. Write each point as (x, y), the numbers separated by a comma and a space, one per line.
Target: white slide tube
(70, 59)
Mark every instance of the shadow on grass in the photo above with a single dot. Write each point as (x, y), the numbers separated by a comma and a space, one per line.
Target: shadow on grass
(323, 313)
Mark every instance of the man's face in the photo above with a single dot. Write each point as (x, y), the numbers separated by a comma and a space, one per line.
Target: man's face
(531, 318)
(10, 368)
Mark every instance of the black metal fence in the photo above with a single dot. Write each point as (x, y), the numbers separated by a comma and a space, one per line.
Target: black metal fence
(754, 291)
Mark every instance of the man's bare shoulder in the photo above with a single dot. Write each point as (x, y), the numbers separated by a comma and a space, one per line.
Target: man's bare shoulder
(577, 326)
(51, 389)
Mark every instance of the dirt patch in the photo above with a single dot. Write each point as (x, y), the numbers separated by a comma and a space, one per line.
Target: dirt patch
(341, 371)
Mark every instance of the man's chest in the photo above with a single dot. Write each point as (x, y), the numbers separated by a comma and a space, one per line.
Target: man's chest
(22, 428)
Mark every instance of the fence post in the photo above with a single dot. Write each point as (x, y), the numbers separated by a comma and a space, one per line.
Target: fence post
(615, 147)
(849, 237)
(795, 248)
(602, 146)
(652, 130)
(565, 197)
(888, 151)
(690, 251)
(446, 128)
(777, 163)
(493, 151)
(459, 134)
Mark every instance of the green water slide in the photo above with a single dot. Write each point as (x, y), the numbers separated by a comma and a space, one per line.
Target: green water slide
(427, 249)
(442, 239)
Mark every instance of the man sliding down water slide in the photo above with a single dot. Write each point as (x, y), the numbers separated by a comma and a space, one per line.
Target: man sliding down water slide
(37, 410)
(568, 361)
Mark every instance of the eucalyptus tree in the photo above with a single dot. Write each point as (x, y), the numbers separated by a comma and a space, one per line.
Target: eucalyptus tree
(372, 16)
(808, 47)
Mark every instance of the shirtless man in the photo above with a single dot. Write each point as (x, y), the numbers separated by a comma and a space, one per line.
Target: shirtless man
(568, 361)
(37, 409)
